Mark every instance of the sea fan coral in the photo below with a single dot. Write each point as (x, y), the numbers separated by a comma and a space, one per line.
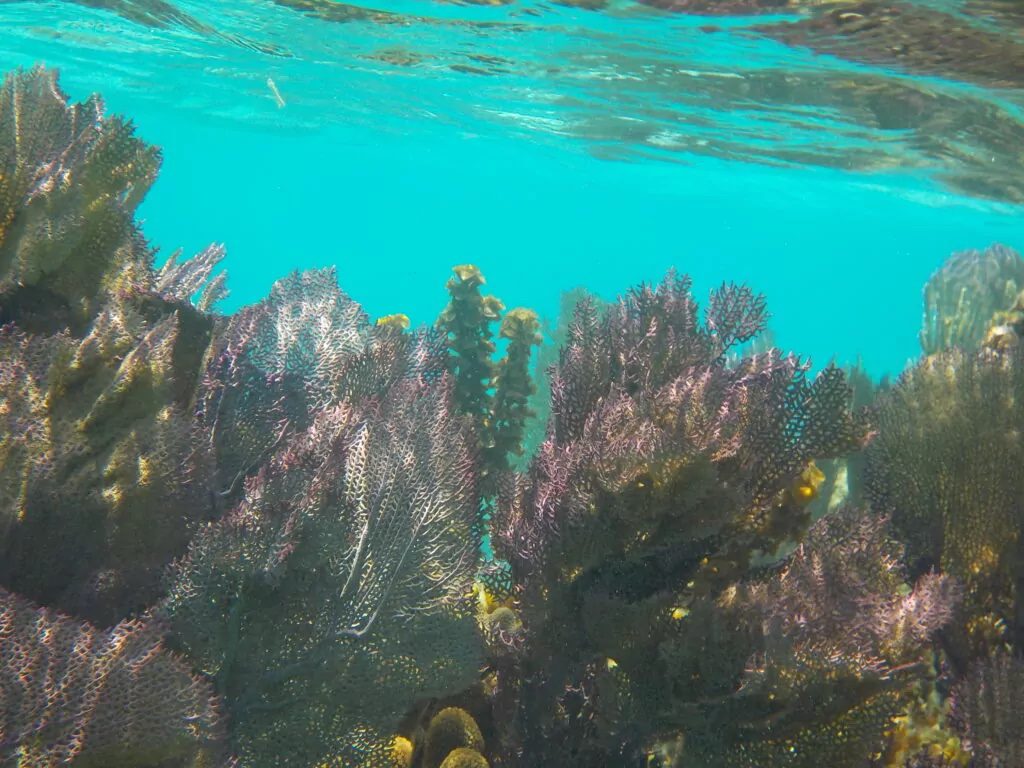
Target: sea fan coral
(944, 467)
(70, 180)
(803, 666)
(96, 464)
(272, 366)
(99, 477)
(337, 592)
(74, 695)
(666, 472)
(962, 298)
(193, 280)
(987, 704)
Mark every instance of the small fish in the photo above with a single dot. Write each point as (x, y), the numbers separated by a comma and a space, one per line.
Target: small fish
(276, 93)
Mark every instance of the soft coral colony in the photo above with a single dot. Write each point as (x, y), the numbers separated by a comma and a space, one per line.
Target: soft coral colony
(293, 536)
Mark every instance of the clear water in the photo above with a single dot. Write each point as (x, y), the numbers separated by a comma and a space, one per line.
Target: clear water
(552, 146)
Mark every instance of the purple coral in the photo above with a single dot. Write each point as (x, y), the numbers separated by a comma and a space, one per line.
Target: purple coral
(841, 593)
(336, 593)
(645, 389)
(668, 467)
(72, 694)
(275, 364)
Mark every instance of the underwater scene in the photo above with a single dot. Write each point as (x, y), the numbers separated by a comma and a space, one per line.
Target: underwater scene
(512, 384)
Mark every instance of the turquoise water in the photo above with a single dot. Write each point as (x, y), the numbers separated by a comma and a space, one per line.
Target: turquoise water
(551, 146)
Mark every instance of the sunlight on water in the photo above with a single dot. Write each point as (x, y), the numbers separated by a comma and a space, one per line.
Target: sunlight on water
(515, 133)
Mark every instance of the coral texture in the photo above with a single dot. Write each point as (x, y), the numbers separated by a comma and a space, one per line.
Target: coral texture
(450, 729)
(963, 297)
(96, 463)
(670, 471)
(944, 467)
(74, 695)
(69, 184)
(335, 595)
(98, 362)
(987, 704)
(274, 365)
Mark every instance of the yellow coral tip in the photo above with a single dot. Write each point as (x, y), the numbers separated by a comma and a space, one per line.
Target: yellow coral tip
(468, 272)
(401, 752)
(397, 320)
(463, 757)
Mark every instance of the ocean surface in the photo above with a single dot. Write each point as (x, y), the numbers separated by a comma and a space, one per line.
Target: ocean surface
(557, 145)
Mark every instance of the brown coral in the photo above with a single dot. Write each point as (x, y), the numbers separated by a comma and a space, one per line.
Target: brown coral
(450, 729)
(963, 297)
(465, 758)
(96, 464)
(945, 467)
(70, 180)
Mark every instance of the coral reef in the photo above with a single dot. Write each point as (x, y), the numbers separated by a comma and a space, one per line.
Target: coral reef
(74, 695)
(97, 463)
(98, 362)
(668, 479)
(344, 570)
(964, 297)
(70, 182)
(256, 539)
(986, 708)
(274, 365)
(943, 466)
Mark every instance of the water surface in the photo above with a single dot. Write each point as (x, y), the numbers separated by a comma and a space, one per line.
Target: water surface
(831, 156)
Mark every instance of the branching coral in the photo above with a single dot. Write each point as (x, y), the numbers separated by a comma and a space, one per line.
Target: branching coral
(193, 279)
(317, 481)
(667, 473)
(71, 695)
(336, 594)
(962, 298)
(987, 704)
(70, 180)
(273, 365)
(804, 666)
(945, 467)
